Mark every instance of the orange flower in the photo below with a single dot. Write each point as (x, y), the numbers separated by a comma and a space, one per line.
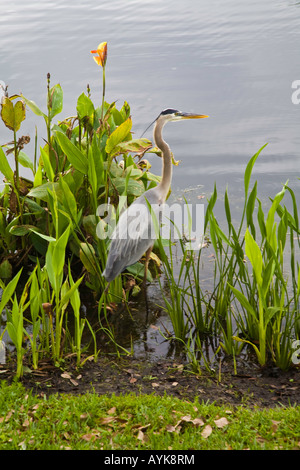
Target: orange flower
(100, 59)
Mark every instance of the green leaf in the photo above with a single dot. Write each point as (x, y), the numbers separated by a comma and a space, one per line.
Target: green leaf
(258, 353)
(5, 270)
(12, 115)
(254, 254)
(5, 168)
(118, 136)
(244, 302)
(47, 164)
(87, 256)
(42, 235)
(85, 107)
(249, 168)
(25, 161)
(56, 100)
(70, 292)
(68, 200)
(134, 188)
(138, 270)
(9, 290)
(271, 213)
(134, 145)
(34, 107)
(55, 258)
(74, 155)
(41, 192)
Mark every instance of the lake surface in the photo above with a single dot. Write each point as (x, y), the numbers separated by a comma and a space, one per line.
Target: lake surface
(235, 61)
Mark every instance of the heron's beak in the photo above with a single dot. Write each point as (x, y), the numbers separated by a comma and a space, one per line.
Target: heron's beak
(192, 116)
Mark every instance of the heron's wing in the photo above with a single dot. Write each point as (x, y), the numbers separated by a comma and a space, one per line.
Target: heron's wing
(132, 237)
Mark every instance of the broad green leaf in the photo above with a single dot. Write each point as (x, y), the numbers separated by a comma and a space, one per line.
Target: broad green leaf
(9, 290)
(47, 164)
(55, 258)
(87, 256)
(271, 213)
(135, 145)
(85, 107)
(5, 168)
(249, 168)
(41, 192)
(21, 230)
(5, 270)
(134, 188)
(138, 270)
(70, 292)
(74, 155)
(56, 100)
(12, 332)
(34, 107)
(68, 200)
(118, 136)
(244, 302)
(42, 235)
(250, 208)
(254, 254)
(25, 161)
(258, 353)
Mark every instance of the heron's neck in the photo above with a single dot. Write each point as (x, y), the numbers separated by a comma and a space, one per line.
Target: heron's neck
(166, 179)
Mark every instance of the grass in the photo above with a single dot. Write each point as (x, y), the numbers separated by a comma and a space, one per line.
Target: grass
(253, 300)
(142, 422)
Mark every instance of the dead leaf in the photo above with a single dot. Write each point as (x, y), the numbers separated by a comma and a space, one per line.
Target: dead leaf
(107, 420)
(198, 422)
(142, 436)
(221, 422)
(88, 437)
(170, 428)
(155, 385)
(206, 431)
(132, 380)
(74, 382)
(65, 375)
(112, 410)
(275, 425)
(188, 419)
(27, 422)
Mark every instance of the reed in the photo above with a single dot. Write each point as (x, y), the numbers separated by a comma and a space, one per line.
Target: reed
(254, 296)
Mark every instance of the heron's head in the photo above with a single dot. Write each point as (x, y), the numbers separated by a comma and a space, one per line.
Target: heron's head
(175, 115)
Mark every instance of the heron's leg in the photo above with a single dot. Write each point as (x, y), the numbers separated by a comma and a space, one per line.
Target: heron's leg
(148, 253)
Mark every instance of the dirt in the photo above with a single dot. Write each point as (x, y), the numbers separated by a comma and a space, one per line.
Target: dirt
(264, 387)
(154, 368)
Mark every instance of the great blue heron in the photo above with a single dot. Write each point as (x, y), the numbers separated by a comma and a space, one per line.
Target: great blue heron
(133, 235)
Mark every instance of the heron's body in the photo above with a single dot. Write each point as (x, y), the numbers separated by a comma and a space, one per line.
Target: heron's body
(134, 234)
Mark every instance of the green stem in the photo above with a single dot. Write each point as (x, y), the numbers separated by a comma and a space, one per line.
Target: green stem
(103, 92)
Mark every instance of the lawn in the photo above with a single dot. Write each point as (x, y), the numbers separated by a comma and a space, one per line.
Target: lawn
(139, 422)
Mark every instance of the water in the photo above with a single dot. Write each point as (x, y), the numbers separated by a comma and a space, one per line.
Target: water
(235, 61)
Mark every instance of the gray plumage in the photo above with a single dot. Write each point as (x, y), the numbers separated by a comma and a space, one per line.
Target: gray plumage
(134, 234)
